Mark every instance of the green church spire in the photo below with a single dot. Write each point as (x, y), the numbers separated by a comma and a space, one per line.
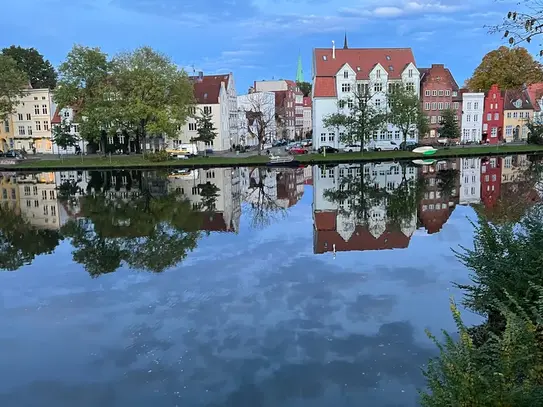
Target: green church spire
(299, 70)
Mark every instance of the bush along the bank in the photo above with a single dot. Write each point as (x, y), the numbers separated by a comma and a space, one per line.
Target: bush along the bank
(159, 156)
(499, 363)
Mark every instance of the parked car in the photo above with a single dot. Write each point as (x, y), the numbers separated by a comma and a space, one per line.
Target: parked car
(298, 150)
(383, 145)
(292, 144)
(350, 148)
(279, 143)
(327, 149)
(307, 143)
(409, 145)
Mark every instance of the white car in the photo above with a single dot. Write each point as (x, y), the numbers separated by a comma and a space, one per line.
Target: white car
(351, 148)
(383, 145)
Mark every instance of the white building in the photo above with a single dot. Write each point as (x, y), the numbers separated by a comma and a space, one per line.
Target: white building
(215, 94)
(336, 229)
(472, 116)
(256, 102)
(470, 181)
(32, 121)
(339, 73)
(38, 200)
(307, 122)
(66, 117)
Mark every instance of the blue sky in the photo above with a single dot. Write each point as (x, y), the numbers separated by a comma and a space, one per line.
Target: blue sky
(258, 39)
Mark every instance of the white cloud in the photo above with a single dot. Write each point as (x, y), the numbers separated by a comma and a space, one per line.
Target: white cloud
(388, 11)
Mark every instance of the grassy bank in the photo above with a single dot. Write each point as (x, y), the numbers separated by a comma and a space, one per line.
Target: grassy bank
(95, 162)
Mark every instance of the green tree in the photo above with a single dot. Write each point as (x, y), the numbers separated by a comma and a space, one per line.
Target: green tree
(535, 135)
(509, 68)
(39, 71)
(12, 84)
(151, 93)
(85, 83)
(205, 128)
(448, 128)
(305, 87)
(405, 111)
(63, 136)
(208, 196)
(357, 118)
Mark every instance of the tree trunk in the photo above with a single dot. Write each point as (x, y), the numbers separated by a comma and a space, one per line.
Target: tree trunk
(143, 137)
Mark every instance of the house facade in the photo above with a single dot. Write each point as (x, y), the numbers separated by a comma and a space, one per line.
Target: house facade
(517, 111)
(339, 73)
(66, 117)
(307, 120)
(288, 100)
(438, 92)
(535, 92)
(472, 116)
(248, 106)
(32, 121)
(491, 179)
(493, 115)
(6, 134)
(216, 95)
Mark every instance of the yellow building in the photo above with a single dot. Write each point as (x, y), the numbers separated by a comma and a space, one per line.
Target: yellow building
(6, 134)
(518, 109)
(9, 191)
(38, 199)
(32, 122)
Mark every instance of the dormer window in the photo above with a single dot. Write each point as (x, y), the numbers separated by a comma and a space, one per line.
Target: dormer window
(518, 104)
(390, 68)
(358, 68)
(410, 73)
(324, 57)
(378, 73)
(388, 57)
(346, 74)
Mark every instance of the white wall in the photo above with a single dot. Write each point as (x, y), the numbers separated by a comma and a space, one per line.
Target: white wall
(68, 115)
(472, 116)
(470, 181)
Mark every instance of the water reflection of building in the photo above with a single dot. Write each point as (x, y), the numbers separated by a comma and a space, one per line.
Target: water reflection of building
(281, 188)
(491, 177)
(9, 191)
(470, 175)
(438, 202)
(224, 215)
(336, 228)
(38, 199)
(73, 184)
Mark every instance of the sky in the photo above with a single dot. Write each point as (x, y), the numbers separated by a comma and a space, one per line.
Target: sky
(259, 39)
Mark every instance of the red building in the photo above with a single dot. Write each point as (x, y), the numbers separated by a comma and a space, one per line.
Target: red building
(491, 180)
(438, 92)
(493, 115)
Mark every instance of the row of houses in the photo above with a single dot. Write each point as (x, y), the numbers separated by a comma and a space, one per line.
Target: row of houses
(490, 117)
(30, 127)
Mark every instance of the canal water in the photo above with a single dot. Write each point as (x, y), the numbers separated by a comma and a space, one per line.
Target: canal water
(239, 286)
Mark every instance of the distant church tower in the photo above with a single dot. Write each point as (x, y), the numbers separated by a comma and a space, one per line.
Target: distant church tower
(345, 45)
(299, 70)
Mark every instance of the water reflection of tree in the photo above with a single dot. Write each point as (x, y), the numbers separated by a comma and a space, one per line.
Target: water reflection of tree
(264, 207)
(359, 191)
(148, 231)
(446, 181)
(20, 242)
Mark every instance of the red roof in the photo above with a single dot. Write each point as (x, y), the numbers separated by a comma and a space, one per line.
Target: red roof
(56, 117)
(324, 87)
(307, 101)
(207, 88)
(535, 91)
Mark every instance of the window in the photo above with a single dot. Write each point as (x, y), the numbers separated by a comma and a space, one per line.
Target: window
(468, 118)
(44, 195)
(432, 133)
(45, 125)
(345, 87)
(331, 137)
(28, 116)
(377, 102)
(456, 105)
(53, 210)
(6, 126)
(36, 109)
(410, 86)
(489, 116)
(508, 115)
(515, 115)
(323, 137)
(76, 128)
(509, 130)
(527, 115)
(192, 111)
(389, 135)
(21, 130)
(427, 106)
(378, 73)
(378, 87)
(434, 105)
(434, 93)
(66, 114)
(51, 194)
(397, 134)
(350, 104)
(45, 210)
(440, 93)
(447, 92)
(475, 117)
(439, 119)
(433, 120)
(346, 74)
(427, 93)
(410, 73)
(38, 125)
(110, 140)
(207, 109)
(476, 105)
(440, 105)
(468, 105)
(44, 109)
(210, 174)
(121, 139)
(465, 133)
(29, 130)
(192, 126)
(20, 116)
(494, 132)
(447, 105)
(341, 104)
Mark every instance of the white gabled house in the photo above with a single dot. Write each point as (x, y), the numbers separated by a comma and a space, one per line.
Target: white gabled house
(339, 73)
(66, 116)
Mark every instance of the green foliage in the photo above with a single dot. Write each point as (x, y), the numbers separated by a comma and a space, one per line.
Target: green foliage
(205, 128)
(536, 132)
(506, 370)
(359, 122)
(208, 196)
(39, 71)
(305, 87)
(159, 156)
(448, 128)
(62, 135)
(405, 111)
(12, 84)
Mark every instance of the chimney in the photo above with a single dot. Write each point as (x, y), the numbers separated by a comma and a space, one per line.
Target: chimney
(333, 49)
(200, 76)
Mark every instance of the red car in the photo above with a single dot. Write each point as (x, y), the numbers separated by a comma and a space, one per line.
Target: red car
(298, 150)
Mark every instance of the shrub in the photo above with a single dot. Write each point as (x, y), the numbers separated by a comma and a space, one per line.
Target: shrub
(159, 156)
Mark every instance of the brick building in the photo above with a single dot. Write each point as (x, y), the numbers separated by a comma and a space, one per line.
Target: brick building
(493, 115)
(438, 91)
